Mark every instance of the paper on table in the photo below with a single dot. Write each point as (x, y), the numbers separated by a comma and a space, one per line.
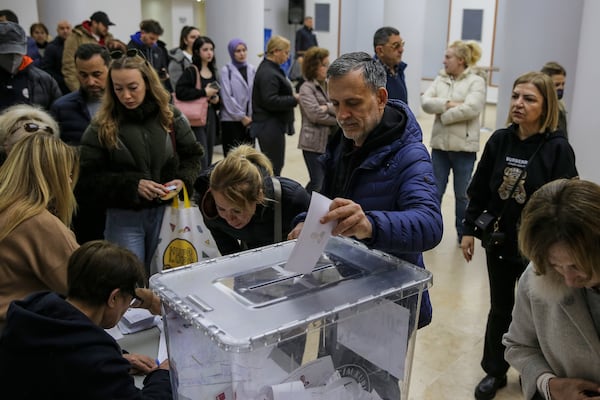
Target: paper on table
(313, 238)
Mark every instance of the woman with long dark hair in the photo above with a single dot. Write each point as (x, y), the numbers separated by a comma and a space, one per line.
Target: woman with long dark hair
(204, 64)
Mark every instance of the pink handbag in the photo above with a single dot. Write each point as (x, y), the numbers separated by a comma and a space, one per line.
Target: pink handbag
(196, 111)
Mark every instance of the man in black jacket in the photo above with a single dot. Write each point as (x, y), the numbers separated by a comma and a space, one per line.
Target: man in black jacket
(52, 60)
(20, 80)
(154, 50)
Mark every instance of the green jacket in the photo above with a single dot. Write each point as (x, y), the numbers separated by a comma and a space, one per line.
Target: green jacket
(110, 177)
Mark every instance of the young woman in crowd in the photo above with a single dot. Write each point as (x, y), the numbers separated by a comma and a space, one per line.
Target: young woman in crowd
(204, 63)
(237, 80)
(137, 149)
(456, 97)
(181, 57)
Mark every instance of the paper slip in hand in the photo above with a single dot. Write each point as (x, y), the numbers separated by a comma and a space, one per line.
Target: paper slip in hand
(313, 238)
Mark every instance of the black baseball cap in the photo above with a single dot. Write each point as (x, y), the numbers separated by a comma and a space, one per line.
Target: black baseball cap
(100, 16)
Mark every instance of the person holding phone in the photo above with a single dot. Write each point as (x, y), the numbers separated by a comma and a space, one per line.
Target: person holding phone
(203, 60)
(136, 146)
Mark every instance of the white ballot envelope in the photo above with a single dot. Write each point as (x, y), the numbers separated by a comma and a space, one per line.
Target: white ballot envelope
(313, 238)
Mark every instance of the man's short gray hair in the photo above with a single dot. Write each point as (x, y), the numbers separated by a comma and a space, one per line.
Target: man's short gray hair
(372, 71)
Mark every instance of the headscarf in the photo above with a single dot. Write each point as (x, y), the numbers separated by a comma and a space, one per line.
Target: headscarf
(233, 44)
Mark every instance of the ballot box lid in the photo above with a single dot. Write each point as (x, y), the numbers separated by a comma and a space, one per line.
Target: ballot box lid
(249, 299)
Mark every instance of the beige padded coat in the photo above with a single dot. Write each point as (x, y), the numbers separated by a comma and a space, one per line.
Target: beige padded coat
(455, 129)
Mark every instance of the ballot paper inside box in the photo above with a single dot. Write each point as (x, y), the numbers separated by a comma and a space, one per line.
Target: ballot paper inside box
(244, 327)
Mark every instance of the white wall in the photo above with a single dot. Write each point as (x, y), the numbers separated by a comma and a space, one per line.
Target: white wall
(584, 128)
(160, 11)
(530, 40)
(327, 40)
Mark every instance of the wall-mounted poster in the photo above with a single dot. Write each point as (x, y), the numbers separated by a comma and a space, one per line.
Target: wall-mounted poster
(472, 24)
(322, 17)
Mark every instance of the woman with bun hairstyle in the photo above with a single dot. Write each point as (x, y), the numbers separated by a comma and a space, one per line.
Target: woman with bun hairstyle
(456, 97)
(237, 199)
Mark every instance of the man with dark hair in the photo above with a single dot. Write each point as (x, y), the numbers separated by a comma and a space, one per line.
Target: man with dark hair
(94, 30)
(73, 112)
(305, 39)
(20, 80)
(67, 334)
(8, 16)
(146, 40)
(389, 46)
(52, 59)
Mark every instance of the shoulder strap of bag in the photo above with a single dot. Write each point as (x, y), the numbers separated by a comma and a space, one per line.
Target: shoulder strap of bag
(277, 222)
(519, 178)
(198, 83)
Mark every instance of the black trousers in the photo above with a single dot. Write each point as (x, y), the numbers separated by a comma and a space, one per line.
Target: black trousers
(271, 138)
(503, 275)
(234, 133)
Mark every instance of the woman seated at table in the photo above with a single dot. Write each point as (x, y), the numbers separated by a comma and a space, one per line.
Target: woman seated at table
(66, 338)
(238, 202)
(553, 340)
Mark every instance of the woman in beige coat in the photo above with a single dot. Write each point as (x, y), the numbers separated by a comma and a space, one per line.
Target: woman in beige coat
(318, 118)
(456, 97)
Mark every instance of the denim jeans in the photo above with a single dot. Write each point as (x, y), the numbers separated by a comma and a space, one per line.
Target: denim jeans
(137, 230)
(461, 163)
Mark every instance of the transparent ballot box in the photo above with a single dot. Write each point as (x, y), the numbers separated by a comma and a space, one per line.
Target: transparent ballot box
(243, 327)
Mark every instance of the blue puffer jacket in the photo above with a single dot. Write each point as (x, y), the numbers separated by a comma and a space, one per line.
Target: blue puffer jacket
(72, 115)
(395, 187)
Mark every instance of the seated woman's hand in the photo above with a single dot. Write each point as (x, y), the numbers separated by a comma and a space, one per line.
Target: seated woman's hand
(140, 364)
(150, 301)
(573, 389)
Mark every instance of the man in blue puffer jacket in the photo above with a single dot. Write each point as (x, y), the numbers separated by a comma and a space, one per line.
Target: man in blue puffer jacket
(381, 178)
(378, 168)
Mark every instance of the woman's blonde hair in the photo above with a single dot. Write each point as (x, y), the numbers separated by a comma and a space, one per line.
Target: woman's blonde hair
(111, 111)
(544, 84)
(239, 177)
(468, 51)
(277, 43)
(12, 115)
(39, 174)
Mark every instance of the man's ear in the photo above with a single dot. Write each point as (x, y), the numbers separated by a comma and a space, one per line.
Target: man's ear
(382, 97)
(113, 298)
(378, 50)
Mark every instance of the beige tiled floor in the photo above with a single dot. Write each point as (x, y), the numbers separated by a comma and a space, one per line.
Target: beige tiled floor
(448, 352)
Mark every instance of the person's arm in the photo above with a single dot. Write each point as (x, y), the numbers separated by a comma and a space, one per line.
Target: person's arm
(470, 107)
(98, 184)
(295, 200)
(186, 86)
(416, 223)
(311, 109)
(68, 63)
(49, 258)
(523, 350)
(431, 101)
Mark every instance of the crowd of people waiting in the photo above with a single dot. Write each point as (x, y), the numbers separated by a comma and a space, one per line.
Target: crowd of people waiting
(87, 122)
